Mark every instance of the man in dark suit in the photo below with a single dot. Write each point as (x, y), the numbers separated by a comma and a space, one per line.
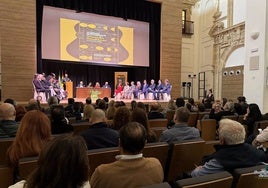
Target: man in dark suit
(99, 135)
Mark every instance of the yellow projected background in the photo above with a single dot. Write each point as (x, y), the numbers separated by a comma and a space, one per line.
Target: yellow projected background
(95, 42)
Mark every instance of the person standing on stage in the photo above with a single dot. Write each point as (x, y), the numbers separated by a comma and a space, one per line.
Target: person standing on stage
(145, 88)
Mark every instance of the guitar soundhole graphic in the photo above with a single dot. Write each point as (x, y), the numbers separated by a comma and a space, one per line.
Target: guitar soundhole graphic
(97, 43)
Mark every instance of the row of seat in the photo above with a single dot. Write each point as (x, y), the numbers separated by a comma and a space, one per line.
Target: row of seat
(175, 158)
(240, 178)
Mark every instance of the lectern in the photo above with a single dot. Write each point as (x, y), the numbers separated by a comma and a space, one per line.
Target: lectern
(69, 89)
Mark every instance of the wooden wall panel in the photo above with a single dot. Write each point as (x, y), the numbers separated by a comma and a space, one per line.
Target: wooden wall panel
(18, 48)
(171, 34)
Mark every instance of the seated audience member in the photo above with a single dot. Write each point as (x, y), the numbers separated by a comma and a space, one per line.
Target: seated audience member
(242, 101)
(133, 105)
(101, 105)
(54, 169)
(99, 135)
(180, 131)
(131, 169)
(260, 138)
(59, 124)
(20, 112)
(232, 152)
(69, 107)
(253, 114)
(228, 109)
(110, 110)
(106, 85)
(121, 117)
(191, 105)
(88, 109)
(140, 116)
(11, 101)
(142, 106)
(8, 125)
(51, 101)
(154, 112)
(77, 110)
(34, 104)
(34, 131)
(180, 102)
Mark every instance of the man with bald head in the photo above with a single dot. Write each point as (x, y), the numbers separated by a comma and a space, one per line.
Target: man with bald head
(99, 135)
(8, 125)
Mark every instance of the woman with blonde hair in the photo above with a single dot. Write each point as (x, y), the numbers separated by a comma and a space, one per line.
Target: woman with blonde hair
(34, 131)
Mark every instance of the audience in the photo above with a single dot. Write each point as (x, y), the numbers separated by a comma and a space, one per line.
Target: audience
(131, 169)
(232, 152)
(69, 107)
(8, 125)
(63, 162)
(58, 120)
(180, 131)
(99, 135)
(34, 131)
(140, 116)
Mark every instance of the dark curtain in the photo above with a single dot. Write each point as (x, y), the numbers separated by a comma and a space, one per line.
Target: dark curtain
(127, 9)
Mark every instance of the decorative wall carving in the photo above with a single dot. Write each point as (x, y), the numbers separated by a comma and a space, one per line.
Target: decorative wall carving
(225, 42)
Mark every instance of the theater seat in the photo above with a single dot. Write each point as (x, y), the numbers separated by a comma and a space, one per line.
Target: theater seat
(6, 176)
(26, 166)
(159, 185)
(245, 177)
(183, 157)
(217, 180)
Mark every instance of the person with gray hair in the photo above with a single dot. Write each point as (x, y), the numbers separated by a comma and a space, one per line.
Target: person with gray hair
(232, 152)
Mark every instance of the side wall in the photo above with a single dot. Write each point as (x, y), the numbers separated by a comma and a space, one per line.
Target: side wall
(18, 46)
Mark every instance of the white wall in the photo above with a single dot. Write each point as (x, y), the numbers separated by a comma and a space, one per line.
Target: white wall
(255, 88)
(239, 11)
(237, 58)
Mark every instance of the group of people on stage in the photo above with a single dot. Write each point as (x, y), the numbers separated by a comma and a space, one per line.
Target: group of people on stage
(50, 85)
(133, 90)
(97, 85)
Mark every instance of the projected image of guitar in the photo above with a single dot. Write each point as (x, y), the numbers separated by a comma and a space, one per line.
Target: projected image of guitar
(97, 43)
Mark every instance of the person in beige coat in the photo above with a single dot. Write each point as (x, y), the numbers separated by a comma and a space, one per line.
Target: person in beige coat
(131, 169)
